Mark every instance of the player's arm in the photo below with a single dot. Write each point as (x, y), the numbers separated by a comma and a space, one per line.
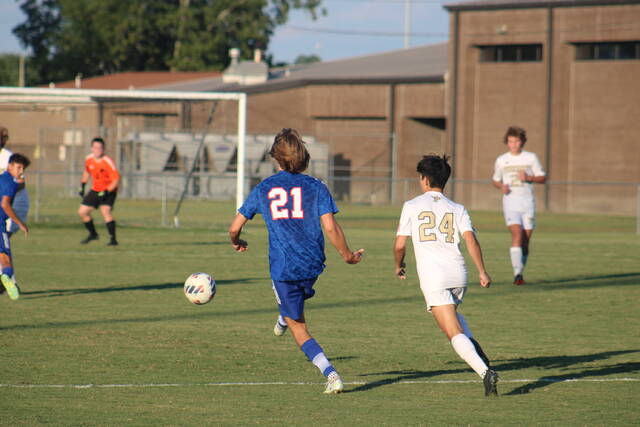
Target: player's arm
(5, 203)
(235, 229)
(476, 255)
(399, 251)
(338, 240)
(114, 175)
(524, 177)
(83, 182)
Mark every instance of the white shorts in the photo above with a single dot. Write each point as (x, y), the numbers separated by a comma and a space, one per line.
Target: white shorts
(444, 296)
(526, 218)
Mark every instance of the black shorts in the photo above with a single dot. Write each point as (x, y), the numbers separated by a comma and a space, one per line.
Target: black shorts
(94, 199)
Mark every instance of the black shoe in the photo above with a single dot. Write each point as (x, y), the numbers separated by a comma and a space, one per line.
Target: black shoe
(518, 280)
(490, 381)
(112, 242)
(89, 238)
(483, 356)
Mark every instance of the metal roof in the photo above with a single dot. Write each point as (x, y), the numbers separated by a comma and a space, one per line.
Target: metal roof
(414, 65)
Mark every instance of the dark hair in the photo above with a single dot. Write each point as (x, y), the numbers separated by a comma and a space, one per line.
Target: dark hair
(436, 169)
(289, 151)
(99, 140)
(517, 132)
(20, 159)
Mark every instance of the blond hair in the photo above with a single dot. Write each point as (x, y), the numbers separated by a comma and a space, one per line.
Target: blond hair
(289, 151)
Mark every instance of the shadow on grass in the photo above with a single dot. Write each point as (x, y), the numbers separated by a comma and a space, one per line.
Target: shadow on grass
(50, 293)
(201, 243)
(200, 312)
(551, 362)
(567, 362)
(567, 283)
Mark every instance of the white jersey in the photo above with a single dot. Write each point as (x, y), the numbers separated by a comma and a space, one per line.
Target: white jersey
(435, 225)
(4, 159)
(506, 171)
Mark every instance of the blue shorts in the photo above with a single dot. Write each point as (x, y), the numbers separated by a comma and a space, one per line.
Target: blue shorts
(5, 245)
(290, 296)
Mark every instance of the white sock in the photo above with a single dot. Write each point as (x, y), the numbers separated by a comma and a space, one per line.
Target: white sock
(321, 362)
(281, 321)
(516, 259)
(465, 327)
(467, 352)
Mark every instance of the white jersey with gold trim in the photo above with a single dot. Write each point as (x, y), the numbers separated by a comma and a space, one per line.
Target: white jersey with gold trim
(435, 225)
(506, 169)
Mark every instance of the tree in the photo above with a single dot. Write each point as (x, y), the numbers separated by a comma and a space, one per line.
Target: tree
(96, 37)
(10, 70)
(307, 59)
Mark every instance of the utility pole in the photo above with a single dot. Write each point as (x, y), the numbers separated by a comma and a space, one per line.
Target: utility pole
(407, 24)
(21, 79)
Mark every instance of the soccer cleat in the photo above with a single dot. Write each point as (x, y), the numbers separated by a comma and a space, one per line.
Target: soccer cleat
(279, 329)
(89, 238)
(12, 289)
(334, 384)
(112, 242)
(518, 280)
(490, 381)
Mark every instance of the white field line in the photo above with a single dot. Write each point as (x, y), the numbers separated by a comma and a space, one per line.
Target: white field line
(271, 383)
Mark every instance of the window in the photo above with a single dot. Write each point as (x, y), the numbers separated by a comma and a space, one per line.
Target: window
(511, 53)
(607, 51)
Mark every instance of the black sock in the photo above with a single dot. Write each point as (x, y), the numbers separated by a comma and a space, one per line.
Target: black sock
(111, 227)
(92, 229)
(483, 356)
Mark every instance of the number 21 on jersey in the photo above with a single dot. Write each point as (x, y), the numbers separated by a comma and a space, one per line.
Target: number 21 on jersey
(279, 199)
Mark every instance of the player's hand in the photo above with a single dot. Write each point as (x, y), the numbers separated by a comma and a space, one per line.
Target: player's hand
(355, 257)
(81, 191)
(400, 271)
(25, 229)
(505, 189)
(522, 176)
(241, 246)
(485, 280)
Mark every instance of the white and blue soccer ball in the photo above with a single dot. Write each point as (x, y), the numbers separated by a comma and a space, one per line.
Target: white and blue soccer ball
(200, 288)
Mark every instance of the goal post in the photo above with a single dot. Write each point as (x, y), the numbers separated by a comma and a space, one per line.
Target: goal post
(27, 95)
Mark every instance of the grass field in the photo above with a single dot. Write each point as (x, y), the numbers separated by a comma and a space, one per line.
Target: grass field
(104, 336)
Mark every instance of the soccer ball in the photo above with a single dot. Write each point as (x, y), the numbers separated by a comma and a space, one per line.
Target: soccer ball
(200, 288)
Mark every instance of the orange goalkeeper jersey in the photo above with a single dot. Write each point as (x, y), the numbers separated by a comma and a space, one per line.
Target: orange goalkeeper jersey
(103, 172)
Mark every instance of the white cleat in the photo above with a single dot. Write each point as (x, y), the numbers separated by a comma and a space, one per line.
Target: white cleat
(279, 330)
(334, 384)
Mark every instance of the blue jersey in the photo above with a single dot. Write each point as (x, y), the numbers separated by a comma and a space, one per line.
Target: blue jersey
(291, 205)
(8, 187)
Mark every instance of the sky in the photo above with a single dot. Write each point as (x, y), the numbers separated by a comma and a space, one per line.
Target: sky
(349, 28)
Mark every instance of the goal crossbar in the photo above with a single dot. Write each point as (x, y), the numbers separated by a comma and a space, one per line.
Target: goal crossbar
(9, 94)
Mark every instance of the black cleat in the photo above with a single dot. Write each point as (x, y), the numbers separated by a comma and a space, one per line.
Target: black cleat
(89, 238)
(518, 280)
(112, 242)
(490, 381)
(480, 352)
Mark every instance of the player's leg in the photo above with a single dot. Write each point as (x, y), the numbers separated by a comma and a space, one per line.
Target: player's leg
(516, 252)
(7, 277)
(290, 297)
(89, 203)
(110, 222)
(467, 331)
